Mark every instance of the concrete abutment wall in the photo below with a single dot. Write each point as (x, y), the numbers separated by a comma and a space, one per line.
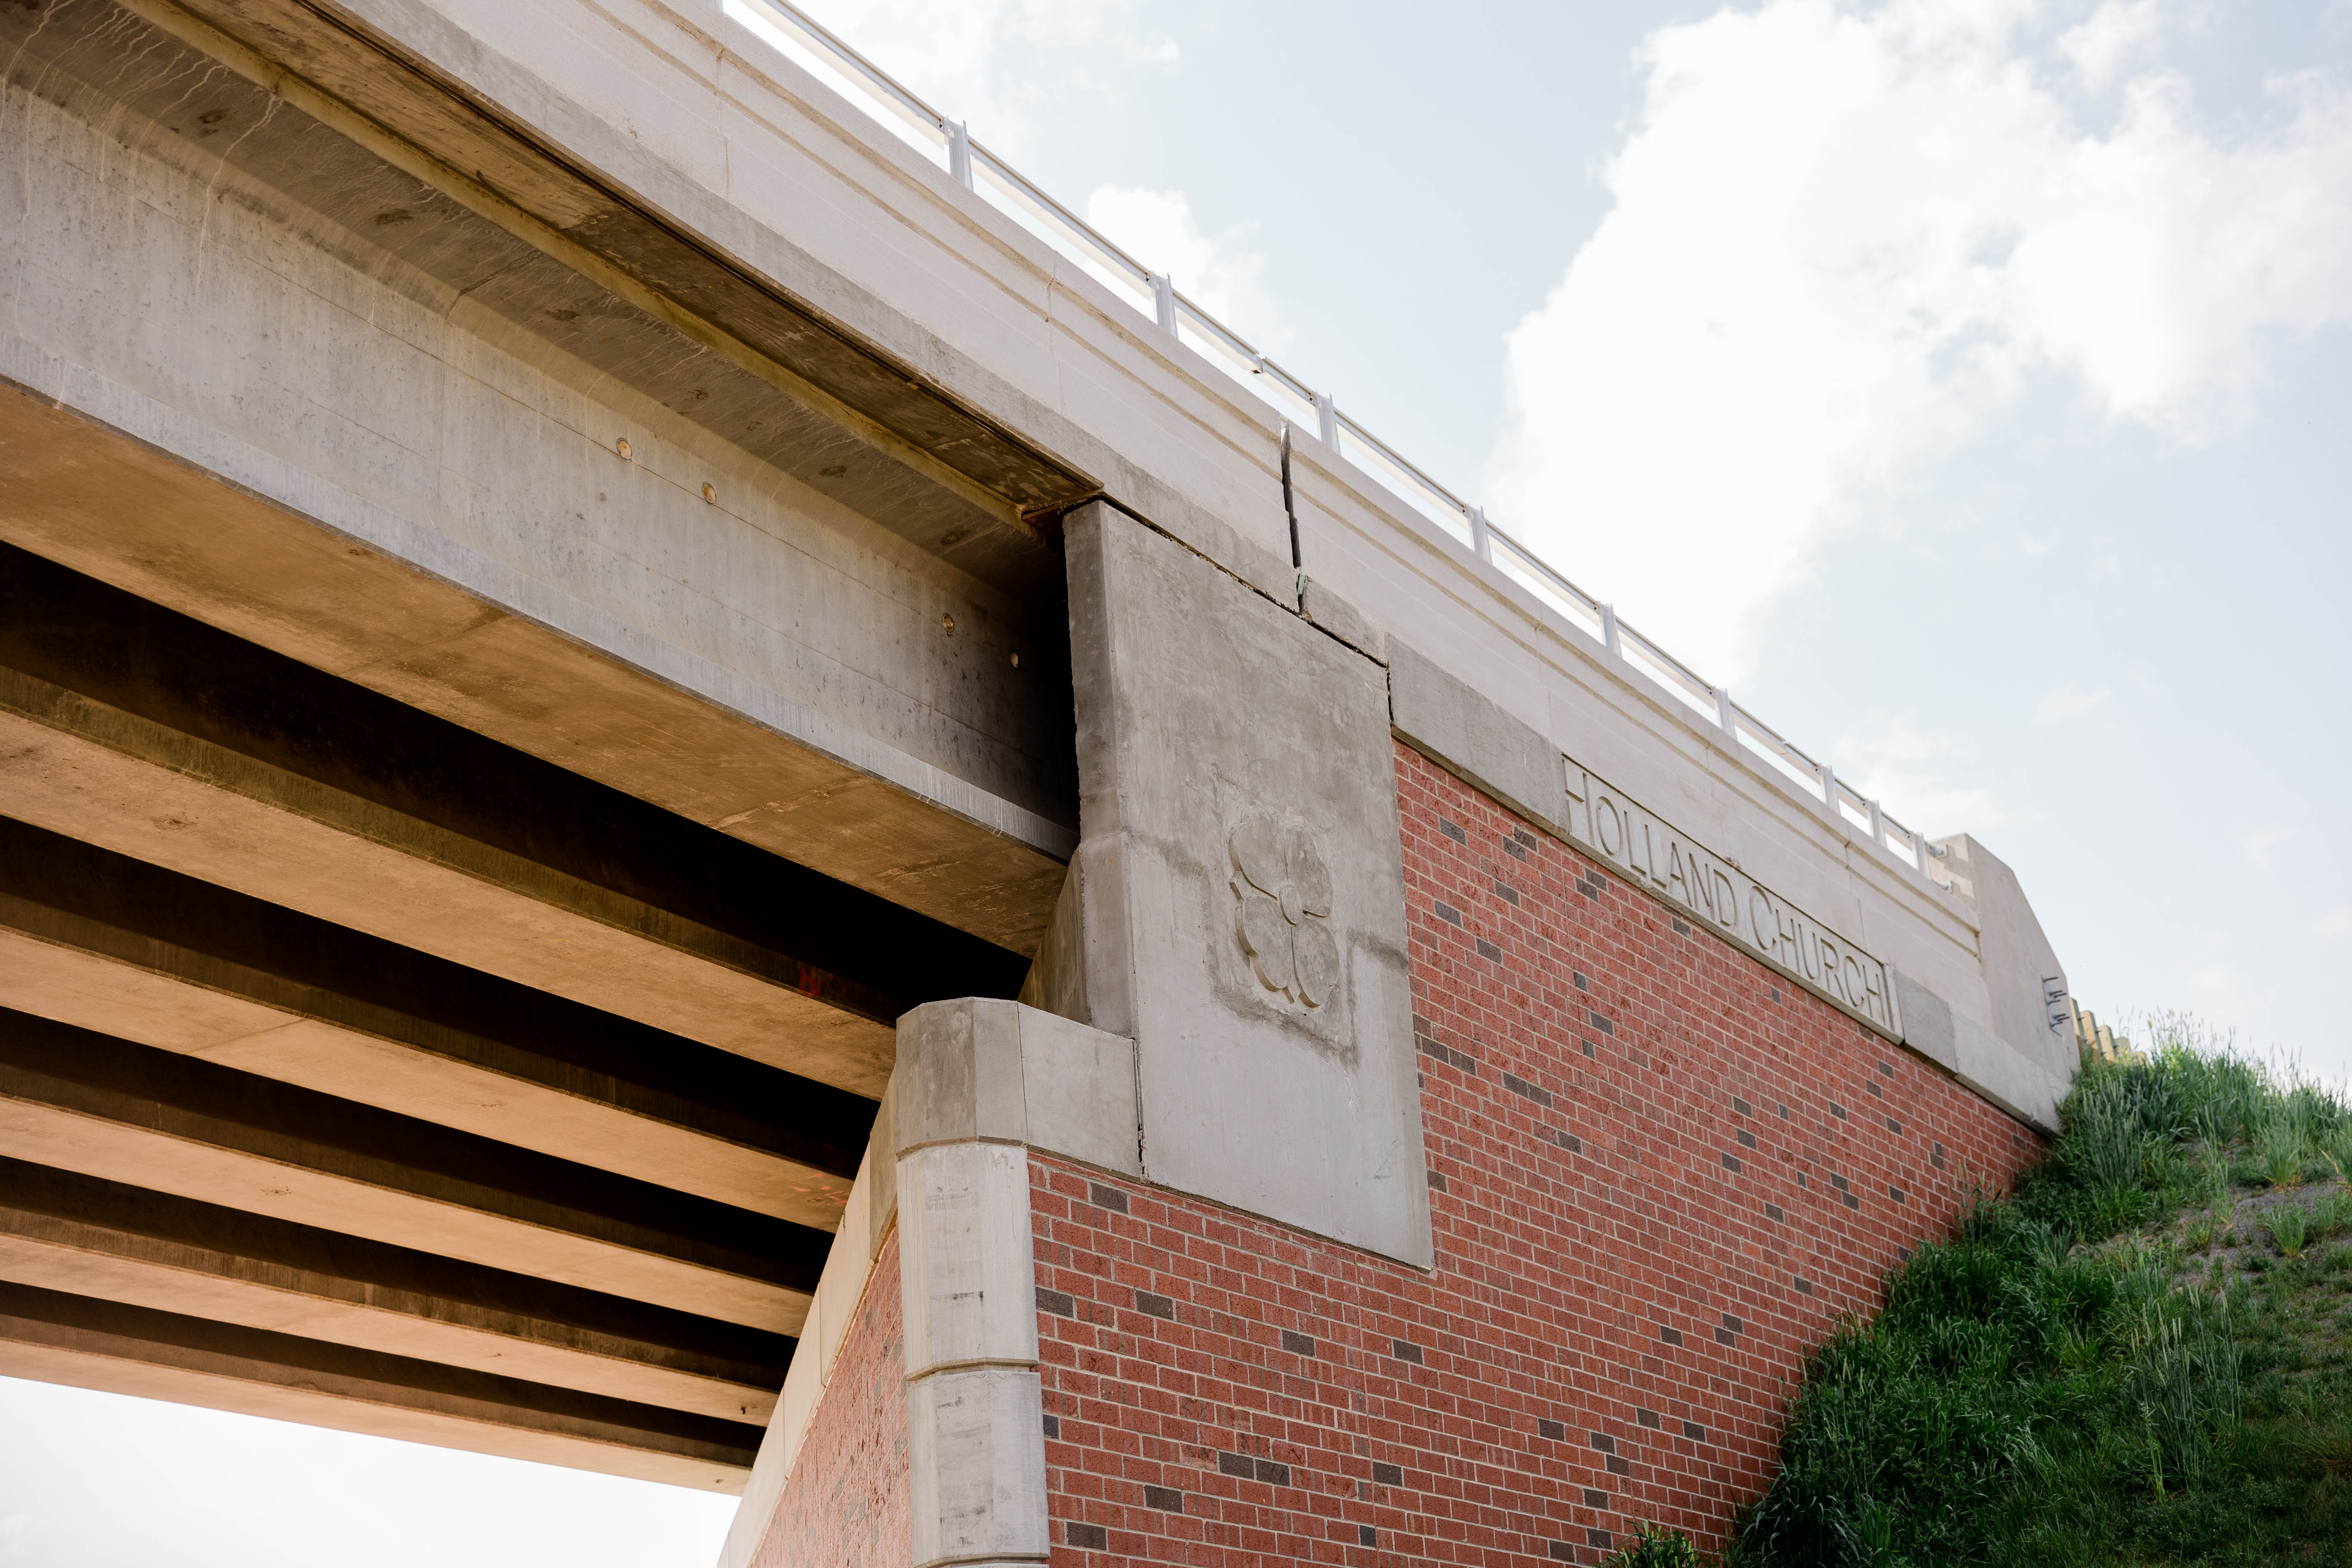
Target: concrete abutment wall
(1655, 1160)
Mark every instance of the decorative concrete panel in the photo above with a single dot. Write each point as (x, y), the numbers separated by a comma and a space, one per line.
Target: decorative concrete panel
(1242, 891)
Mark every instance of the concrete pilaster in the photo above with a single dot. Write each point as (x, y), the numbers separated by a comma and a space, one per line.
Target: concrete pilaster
(979, 1083)
(975, 1435)
(1239, 904)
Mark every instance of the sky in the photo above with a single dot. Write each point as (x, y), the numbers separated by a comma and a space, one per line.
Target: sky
(1965, 384)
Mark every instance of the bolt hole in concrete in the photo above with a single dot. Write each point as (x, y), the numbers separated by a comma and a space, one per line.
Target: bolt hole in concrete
(711, 493)
(832, 470)
(946, 623)
(955, 536)
(621, 446)
(1017, 661)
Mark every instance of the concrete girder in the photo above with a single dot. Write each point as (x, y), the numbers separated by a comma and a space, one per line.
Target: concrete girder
(165, 739)
(365, 71)
(508, 596)
(86, 1237)
(78, 1101)
(76, 767)
(115, 510)
(122, 947)
(57, 1337)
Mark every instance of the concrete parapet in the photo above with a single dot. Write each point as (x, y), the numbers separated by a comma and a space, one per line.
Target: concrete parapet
(1319, 603)
(2025, 982)
(2029, 1088)
(1987, 1023)
(1465, 734)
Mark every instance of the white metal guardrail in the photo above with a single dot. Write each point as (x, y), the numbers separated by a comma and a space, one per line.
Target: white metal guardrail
(811, 45)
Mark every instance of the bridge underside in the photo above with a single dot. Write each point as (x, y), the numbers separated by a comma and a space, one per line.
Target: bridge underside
(442, 991)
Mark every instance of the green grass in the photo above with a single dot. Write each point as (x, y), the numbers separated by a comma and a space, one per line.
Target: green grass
(2138, 1358)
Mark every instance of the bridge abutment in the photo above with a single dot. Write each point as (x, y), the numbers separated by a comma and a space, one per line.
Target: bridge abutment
(672, 801)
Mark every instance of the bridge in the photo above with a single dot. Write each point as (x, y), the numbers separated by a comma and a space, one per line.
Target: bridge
(642, 727)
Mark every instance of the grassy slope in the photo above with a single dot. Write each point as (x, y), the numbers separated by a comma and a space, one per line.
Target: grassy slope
(2136, 1359)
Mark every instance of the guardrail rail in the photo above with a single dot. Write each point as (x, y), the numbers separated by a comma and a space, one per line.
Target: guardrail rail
(811, 45)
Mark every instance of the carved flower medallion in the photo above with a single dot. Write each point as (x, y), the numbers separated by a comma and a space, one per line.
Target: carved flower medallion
(1285, 918)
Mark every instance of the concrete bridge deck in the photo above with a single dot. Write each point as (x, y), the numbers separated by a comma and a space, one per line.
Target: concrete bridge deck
(537, 624)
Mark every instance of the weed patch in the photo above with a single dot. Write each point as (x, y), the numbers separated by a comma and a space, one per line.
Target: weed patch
(2139, 1357)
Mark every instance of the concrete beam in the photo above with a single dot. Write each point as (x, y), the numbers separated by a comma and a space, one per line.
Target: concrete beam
(117, 946)
(125, 1113)
(364, 68)
(162, 738)
(57, 1337)
(474, 476)
(85, 1236)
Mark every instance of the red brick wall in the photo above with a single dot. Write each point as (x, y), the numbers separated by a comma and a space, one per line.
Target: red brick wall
(1658, 1172)
(844, 1504)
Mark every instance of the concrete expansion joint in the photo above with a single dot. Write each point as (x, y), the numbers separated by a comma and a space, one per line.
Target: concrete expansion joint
(976, 1363)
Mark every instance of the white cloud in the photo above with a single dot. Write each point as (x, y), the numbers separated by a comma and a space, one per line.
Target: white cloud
(954, 53)
(2114, 39)
(1846, 238)
(2070, 700)
(2260, 842)
(1220, 273)
(1914, 770)
(2336, 925)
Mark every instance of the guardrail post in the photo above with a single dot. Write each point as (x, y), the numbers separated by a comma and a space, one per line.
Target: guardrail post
(960, 154)
(963, 168)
